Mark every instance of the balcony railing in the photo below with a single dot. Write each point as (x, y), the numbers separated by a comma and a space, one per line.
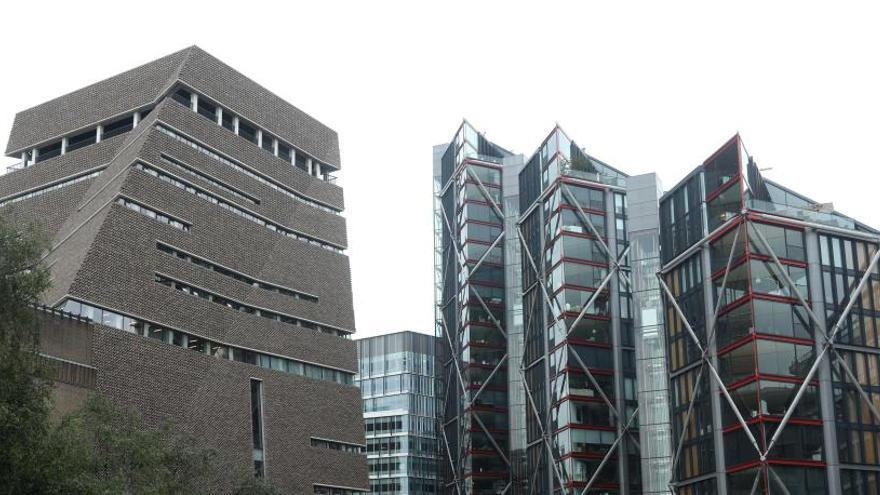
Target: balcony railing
(483, 158)
(806, 214)
(15, 166)
(567, 171)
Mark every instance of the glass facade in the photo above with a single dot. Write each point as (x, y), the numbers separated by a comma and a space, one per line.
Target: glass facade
(844, 262)
(601, 336)
(579, 355)
(655, 436)
(397, 378)
(473, 305)
(746, 261)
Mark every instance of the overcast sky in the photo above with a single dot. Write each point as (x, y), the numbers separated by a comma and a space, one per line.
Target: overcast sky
(645, 87)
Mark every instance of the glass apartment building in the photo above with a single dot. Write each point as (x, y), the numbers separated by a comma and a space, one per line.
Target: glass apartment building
(720, 337)
(397, 381)
(534, 295)
(474, 310)
(758, 280)
(579, 359)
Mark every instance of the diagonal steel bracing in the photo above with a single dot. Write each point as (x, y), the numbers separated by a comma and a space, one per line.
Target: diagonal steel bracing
(543, 286)
(615, 263)
(491, 438)
(589, 304)
(827, 345)
(610, 452)
(458, 368)
(792, 287)
(775, 477)
(827, 348)
(757, 482)
(705, 355)
(711, 334)
(544, 436)
(485, 193)
(687, 418)
(585, 219)
(707, 362)
(489, 378)
(463, 262)
(594, 382)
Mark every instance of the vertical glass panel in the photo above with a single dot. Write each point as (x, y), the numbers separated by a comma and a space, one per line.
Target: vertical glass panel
(723, 167)
(724, 206)
(257, 424)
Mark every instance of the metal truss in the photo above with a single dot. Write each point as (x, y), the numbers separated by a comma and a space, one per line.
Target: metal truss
(827, 341)
(466, 413)
(615, 263)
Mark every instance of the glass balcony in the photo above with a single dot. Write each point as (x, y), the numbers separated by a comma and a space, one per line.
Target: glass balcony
(805, 214)
(567, 170)
(15, 166)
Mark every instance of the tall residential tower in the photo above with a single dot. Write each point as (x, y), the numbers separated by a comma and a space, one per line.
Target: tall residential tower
(475, 313)
(579, 363)
(194, 219)
(773, 313)
(535, 312)
(721, 337)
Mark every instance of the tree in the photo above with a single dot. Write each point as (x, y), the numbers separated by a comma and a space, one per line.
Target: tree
(103, 448)
(24, 391)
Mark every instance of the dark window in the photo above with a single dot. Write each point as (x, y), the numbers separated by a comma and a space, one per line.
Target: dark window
(783, 358)
(300, 161)
(227, 120)
(720, 249)
(739, 363)
(82, 139)
(49, 151)
(244, 356)
(247, 131)
(681, 220)
(182, 96)
(723, 167)
(116, 128)
(724, 206)
(158, 333)
(588, 197)
(208, 109)
(267, 142)
(785, 243)
(257, 425)
(284, 151)
(196, 344)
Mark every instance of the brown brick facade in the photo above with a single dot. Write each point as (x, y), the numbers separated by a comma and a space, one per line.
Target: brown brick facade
(106, 255)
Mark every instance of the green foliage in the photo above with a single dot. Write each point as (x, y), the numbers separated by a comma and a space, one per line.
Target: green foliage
(106, 449)
(101, 449)
(24, 393)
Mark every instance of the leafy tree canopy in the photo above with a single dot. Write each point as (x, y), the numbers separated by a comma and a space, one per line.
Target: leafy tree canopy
(100, 449)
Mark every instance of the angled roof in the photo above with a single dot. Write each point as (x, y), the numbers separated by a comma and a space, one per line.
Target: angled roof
(145, 85)
(576, 155)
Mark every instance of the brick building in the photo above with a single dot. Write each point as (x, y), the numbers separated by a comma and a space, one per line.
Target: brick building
(194, 218)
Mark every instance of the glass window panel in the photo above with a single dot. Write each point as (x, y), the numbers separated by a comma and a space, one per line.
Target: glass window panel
(724, 206)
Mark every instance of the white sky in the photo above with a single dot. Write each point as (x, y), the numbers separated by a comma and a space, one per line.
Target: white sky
(645, 87)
